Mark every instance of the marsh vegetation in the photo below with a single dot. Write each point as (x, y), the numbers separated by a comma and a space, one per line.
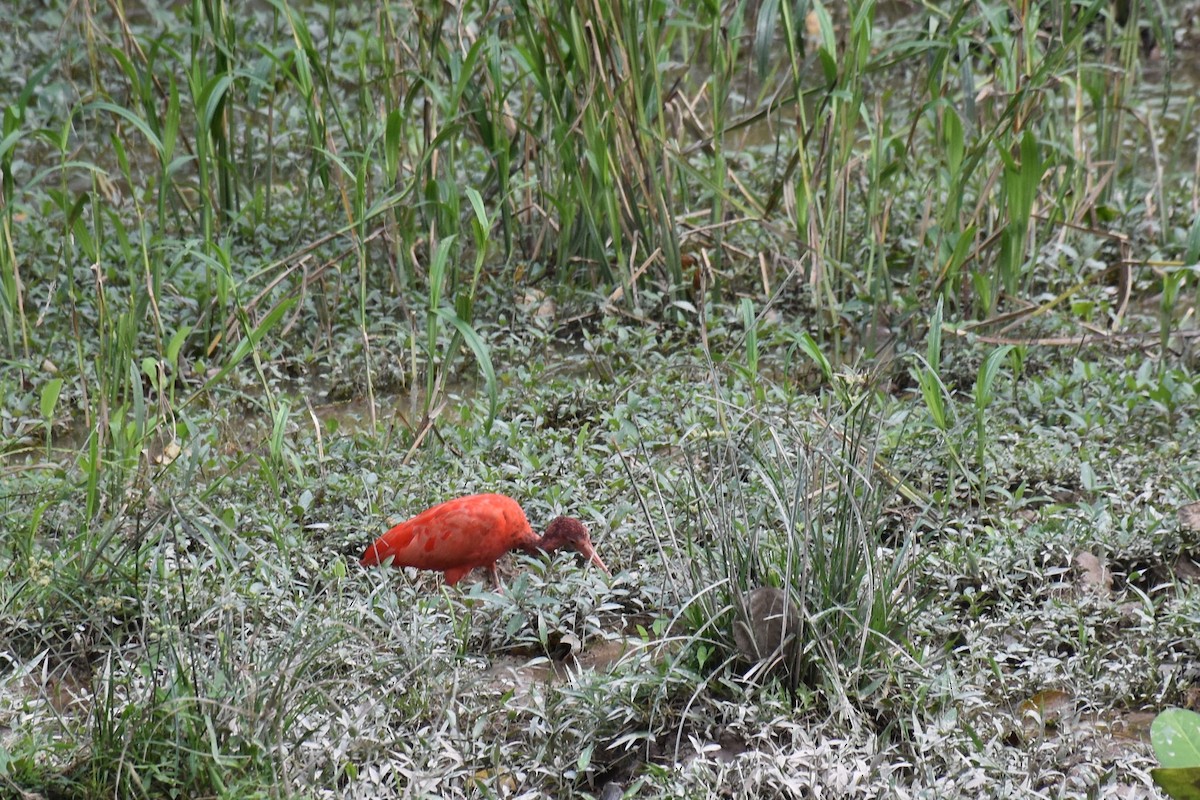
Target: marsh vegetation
(877, 317)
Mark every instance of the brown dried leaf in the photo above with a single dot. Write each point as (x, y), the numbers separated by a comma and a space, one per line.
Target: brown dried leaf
(560, 645)
(1133, 725)
(1186, 568)
(812, 24)
(169, 453)
(502, 780)
(1189, 516)
(1092, 572)
(538, 303)
(1045, 710)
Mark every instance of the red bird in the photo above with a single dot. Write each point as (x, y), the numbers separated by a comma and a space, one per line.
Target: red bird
(468, 532)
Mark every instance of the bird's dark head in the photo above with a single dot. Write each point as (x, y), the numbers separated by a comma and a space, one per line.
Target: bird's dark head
(573, 535)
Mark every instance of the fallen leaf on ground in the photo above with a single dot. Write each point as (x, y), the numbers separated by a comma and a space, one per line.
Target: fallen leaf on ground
(1045, 710)
(1092, 572)
(1186, 568)
(1189, 516)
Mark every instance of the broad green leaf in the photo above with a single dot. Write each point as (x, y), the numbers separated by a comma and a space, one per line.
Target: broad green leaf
(477, 205)
(1179, 783)
(810, 348)
(933, 351)
(139, 396)
(391, 145)
(9, 141)
(132, 119)
(279, 428)
(50, 394)
(1191, 255)
(952, 134)
(437, 271)
(765, 28)
(151, 371)
(958, 255)
(1175, 734)
(1087, 477)
(827, 52)
(931, 391)
(585, 757)
(987, 376)
(176, 343)
(751, 335)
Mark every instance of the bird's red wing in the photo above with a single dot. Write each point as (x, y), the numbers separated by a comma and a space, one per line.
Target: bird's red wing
(457, 535)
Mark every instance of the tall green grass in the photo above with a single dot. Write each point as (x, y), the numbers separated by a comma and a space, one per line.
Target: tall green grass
(594, 92)
(593, 142)
(221, 189)
(801, 506)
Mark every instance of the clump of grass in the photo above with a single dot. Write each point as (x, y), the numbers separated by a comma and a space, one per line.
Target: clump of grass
(594, 84)
(805, 507)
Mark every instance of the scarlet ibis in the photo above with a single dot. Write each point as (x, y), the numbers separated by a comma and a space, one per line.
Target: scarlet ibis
(459, 535)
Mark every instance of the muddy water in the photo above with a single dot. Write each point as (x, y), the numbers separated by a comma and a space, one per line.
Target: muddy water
(524, 675)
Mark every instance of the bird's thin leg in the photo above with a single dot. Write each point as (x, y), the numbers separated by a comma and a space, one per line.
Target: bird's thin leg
(496, 584)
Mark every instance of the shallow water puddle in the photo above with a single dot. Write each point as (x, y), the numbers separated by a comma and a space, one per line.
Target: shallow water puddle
(520, 674)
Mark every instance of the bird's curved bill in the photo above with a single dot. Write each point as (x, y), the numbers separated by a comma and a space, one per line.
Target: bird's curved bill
(590, 553)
